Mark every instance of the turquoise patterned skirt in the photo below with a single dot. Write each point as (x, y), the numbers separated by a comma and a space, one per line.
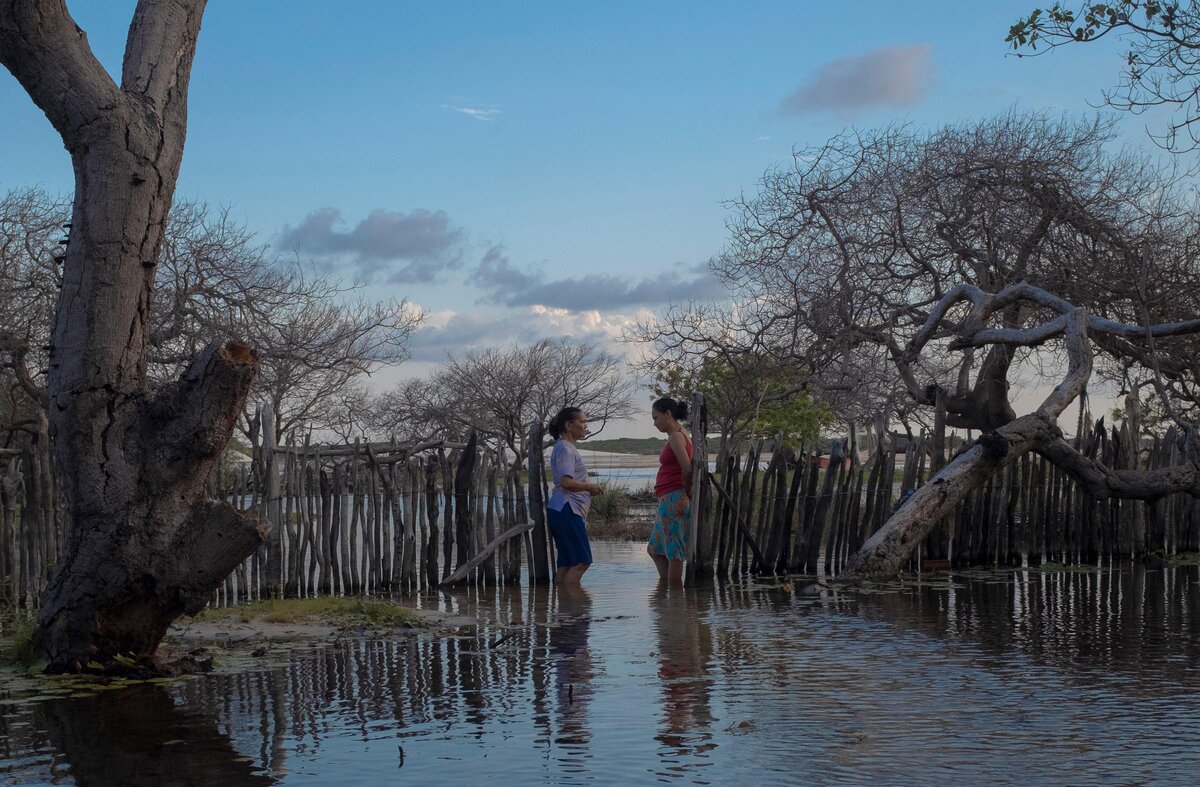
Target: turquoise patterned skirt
(669, 536)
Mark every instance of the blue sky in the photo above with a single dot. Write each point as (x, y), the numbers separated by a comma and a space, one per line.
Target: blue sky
(526, 169)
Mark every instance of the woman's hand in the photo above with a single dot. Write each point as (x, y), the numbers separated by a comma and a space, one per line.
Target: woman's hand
(595, 489)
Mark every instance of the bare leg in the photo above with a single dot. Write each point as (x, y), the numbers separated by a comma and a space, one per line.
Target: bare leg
(560, 575)
(660, 562)
(674, 571)
(575, 573)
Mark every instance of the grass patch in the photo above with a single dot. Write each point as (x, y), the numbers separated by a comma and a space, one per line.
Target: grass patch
(611, 506)
(338, 610)
(609, 518)
(17, 643)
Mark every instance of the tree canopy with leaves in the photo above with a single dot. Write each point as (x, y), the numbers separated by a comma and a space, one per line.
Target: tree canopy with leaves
(498, 392)
(1161, 43)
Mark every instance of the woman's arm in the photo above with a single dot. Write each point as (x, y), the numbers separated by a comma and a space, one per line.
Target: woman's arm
(571, 485)
(678, 445)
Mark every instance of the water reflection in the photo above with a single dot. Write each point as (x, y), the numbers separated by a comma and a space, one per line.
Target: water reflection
(139, 736)
(684, 650)
(1014, 676)
(1123, 620)
(573, 666)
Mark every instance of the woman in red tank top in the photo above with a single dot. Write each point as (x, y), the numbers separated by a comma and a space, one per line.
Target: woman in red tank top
(669, 536)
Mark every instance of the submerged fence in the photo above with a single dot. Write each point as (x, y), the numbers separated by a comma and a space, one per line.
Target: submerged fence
(383, 517)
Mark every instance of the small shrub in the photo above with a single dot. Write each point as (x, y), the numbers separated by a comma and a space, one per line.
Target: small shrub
(611, 506)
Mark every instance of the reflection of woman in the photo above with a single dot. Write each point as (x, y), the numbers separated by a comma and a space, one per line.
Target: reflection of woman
(573, 663)
(684, 646)
(669, 536)
(566, 510)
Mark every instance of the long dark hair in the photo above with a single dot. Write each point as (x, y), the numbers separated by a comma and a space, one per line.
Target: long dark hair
(564, 417)
(673, 406)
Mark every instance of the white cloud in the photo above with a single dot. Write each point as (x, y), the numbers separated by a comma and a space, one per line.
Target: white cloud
(456, 332)
(486, 114)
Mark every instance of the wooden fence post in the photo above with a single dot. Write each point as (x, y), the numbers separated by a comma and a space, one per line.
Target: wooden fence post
(700, 544)
(539, 565)
(463, 500)
(270, 480)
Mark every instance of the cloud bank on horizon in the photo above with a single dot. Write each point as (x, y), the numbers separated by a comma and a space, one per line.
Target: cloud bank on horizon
(507, 303)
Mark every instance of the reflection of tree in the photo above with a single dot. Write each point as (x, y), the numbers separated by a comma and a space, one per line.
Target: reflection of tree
(139, 736)
(573, 666)
(684, 648)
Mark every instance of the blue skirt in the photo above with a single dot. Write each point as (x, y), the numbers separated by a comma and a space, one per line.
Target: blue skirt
(570, 536)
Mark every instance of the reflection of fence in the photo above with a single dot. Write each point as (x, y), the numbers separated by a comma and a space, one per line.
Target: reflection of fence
(798, 516)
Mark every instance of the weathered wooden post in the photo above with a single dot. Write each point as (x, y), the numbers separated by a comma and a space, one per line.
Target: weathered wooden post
(432, 577)
(270, 485)
(463, 501)
(700, 544)
(539, 562)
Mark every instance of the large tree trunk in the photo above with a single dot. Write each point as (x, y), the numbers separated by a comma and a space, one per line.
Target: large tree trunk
(886, 552)
(144, 544)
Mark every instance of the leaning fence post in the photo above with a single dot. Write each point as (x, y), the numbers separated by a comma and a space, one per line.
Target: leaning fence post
(539, 566)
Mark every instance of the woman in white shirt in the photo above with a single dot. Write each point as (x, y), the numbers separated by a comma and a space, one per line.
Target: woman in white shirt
(567, 508)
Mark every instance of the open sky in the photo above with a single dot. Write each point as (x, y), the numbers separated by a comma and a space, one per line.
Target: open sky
(545, 169)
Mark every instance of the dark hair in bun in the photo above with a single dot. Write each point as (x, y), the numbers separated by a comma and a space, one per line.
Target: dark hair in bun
(673, 406)
(564, 417)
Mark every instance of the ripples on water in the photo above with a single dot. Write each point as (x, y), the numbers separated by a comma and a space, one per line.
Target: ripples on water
(1020, 676)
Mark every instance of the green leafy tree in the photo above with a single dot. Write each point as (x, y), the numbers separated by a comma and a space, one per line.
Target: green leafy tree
(747, 396)
(1162, 54)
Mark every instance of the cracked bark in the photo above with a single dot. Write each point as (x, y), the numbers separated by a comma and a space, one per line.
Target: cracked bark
(144, 545)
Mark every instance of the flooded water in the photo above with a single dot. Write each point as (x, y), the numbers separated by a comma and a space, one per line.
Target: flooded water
(1009, 677)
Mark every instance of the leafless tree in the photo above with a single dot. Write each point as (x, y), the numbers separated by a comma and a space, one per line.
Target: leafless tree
(314, 352)
(838, 259)
(888, 549)
(498, 392)
(144, 543)
(315, 335)
(843, 261)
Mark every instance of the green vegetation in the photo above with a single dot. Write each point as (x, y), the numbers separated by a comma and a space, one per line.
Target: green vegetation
(338, 610)
(643, 446)
(18, 647)
(611, 506)
(748, 395)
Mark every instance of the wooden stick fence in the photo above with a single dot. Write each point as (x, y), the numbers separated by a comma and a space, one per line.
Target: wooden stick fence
(805, 513)
(384, 517)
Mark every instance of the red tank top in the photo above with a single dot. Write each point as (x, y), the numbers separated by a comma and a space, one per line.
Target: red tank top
(670, 474)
